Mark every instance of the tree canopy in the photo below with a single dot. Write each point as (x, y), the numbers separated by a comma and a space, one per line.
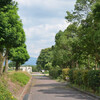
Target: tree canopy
(78, 45)
(12, 34)
(44, 58)
(19, 55)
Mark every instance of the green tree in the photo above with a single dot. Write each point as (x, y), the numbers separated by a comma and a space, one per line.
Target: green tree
(34, 69)
(12, 64)
(4, 2)
(48, 66)
(63, 55)
(44, 57)
(77, 46)
(88, 29)
(19, 55)
(11, 30)
(81, 10)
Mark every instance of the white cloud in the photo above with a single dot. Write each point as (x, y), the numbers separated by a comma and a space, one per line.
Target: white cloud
(48, 4)
(41, 36)
(44, 30)
(42, 19)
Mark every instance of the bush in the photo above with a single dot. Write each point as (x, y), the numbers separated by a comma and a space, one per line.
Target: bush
(5, 94)
(20, 77)
(94, 79)
(71, 76)
(87, 78)
(55, 72)
(34, 69)
(78, 76)
(65, 73)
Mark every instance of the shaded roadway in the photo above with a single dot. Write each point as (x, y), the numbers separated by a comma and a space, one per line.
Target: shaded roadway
(44, 88)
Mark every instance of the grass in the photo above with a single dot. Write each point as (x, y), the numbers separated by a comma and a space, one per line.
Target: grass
(84, 88)
(4, 92)
(46, 72)
(21, 78)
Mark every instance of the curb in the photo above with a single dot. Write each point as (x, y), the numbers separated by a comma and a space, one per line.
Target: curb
(90, 94)
(25, 89)
(26, 96)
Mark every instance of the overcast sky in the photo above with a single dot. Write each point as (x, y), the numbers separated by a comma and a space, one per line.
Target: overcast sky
(42, 19)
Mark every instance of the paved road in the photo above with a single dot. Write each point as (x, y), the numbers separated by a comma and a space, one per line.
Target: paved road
(47, 89)
(39, 74)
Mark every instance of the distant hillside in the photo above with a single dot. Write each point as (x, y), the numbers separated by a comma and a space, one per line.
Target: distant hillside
(31, 61)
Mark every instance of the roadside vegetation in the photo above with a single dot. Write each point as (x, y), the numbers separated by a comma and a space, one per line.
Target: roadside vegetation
(12, 85)
(13, 48)
(76, 54)
(12, 36)
(5, 94)
(21, 78)
(34, 68)
(88, 80)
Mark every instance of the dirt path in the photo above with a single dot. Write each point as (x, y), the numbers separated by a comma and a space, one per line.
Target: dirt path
(47, 89)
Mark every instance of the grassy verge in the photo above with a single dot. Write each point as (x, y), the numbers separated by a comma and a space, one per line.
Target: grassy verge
(5, 93)
(85, 89)
(12, 84)
(21, 78)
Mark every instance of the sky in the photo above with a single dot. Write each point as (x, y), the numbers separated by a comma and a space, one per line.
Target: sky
(42, 19)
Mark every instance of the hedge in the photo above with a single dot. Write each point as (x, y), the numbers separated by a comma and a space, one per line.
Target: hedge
(55, 72)
(65, 73)
(88, 78)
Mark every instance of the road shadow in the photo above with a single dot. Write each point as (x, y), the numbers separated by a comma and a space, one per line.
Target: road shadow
(42, 77)
(64, 92)
(60, 90)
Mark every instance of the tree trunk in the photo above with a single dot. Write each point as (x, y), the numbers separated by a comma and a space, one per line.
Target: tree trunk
(6, 62)
(17, 66)
(2, 59)
(77, 64)
(96, 65)
(88, 62)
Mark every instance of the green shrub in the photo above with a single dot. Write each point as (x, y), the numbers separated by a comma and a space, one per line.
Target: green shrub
(94, 79)
(84, 77)
(20, 77)
(65, 73)
(87, 78)
(5, 94)
(34, 69)
(77, 77)
(55, 72)
(46, 72)
(71, 75)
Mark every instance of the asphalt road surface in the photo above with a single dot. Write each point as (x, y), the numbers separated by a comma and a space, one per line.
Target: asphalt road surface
(44, 88)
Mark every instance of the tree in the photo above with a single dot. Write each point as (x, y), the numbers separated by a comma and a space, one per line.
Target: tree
(88, 28)
(4, 3)
(44, 57)
(11, 30)
(81, 10)
(19, 55)
(77, 46)
(48, 66)
(63, 55)
(12, 64)
(34, 68)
